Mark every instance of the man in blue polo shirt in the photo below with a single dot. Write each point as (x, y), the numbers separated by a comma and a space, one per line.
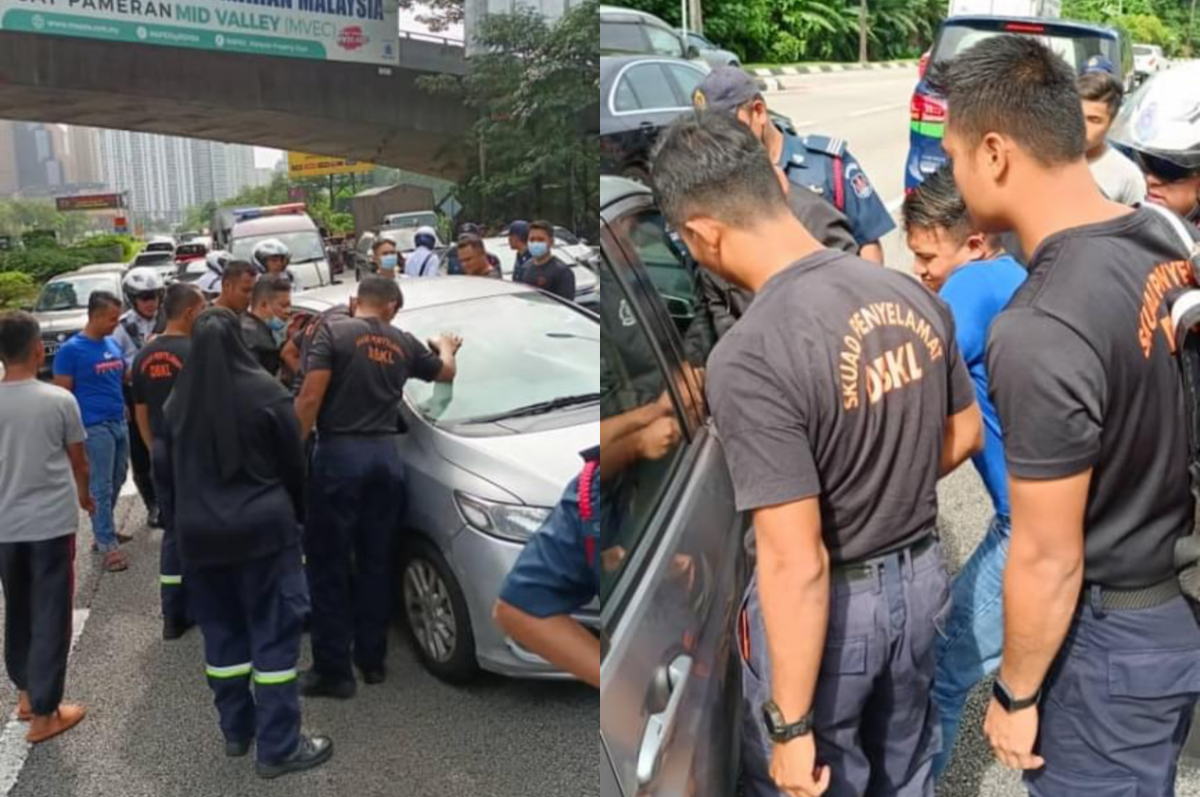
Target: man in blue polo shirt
(977, 281)
(91, 365)
(555, 576)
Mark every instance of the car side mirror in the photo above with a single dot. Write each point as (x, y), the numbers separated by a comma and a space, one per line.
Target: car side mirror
(693, 51)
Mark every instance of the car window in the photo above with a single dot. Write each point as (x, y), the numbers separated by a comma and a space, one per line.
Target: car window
(700, 42)
(645, 87)
(73, 294)
(154, 258)
(1075, 50)
(640, 430)
(520, 351)
(617, 37)
(664, 42)
(688, 78)
(1139, 49)
(304, 245)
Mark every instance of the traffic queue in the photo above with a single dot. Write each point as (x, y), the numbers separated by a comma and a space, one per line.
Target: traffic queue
(270, 457)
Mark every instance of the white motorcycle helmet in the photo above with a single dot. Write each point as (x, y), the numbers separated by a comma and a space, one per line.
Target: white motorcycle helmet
(141, 281)
(272, 247)
(215, 263)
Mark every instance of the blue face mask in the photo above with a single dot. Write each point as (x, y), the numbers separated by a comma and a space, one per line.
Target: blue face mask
(276, 324)
(389, 262)
(539, 248)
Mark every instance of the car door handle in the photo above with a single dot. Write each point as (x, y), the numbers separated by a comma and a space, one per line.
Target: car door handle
(660, 727)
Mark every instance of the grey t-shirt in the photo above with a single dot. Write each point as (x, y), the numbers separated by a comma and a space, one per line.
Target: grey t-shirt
(838, 382)
(37, 488)
(1083, 376)
(1119, 178)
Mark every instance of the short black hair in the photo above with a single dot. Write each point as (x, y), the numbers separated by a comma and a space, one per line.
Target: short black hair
(267, 286)
(19, 331)
(544, 226)
(378, 291)
(1016, 86)
(937, 205)
(471, 242)
(710, 162)
(236, 270)
(1098, 86)
(380, 242)
(181, 297)
(100, 301)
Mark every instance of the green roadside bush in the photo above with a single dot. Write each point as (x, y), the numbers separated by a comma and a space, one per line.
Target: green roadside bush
(16, 289)
(43, 263)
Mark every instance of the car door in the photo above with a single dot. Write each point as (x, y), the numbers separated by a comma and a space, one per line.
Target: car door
(671, 564)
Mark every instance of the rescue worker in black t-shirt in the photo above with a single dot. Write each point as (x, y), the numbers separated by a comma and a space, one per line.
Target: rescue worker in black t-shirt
(264, 328)
(237, 287)
(840, 397)
(232, 470)
(1097, 682)
(354, 384)
(544, 270)
(155, 371)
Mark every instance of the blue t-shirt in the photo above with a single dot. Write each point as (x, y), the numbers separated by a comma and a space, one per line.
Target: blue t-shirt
(555, 574)
(976, 293)
(98, 368)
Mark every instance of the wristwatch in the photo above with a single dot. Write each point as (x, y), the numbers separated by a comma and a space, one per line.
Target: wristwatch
(778, 728)
(1010, 702)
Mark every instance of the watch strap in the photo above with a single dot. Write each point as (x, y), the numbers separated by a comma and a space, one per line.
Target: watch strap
(1010, 702)
(782, 731)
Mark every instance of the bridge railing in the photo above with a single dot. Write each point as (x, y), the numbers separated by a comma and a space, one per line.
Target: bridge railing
(434, 38)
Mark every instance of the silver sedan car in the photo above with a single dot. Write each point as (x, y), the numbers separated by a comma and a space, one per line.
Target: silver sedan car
(487, 456)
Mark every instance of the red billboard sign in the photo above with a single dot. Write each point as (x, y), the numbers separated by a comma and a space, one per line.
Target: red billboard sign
(89, 202)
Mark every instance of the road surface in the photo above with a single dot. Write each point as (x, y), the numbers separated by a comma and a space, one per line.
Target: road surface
(870, 111)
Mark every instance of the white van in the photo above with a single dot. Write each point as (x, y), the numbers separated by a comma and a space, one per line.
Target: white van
(310, 263)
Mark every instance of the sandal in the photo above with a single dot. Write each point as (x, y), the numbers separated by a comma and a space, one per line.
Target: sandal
(115, 562)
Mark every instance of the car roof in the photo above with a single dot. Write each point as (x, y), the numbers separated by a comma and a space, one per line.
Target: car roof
(1054, 24)
(97, 268)
(613, 189)
(618, 14)
(418, 293)
(267, 225)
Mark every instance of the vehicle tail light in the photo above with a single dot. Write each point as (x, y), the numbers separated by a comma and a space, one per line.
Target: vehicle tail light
(1024, 27)
(927, 109)
(923, 65)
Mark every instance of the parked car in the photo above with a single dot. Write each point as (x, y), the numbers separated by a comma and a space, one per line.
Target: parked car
(587, 284)
(161, 260)
(626, 30)
(61, 307)
(160, 243)
(1147, 60)
(1076, 42)
(301, 236)
(196, 249)
(713, 55)
(191, 271)
(487, 457)
(422, 218)
(671, 588)
(639, 96)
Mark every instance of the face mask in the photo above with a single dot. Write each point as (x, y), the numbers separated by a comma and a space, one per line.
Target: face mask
(276, 324)
(389, 262)
(539, 248)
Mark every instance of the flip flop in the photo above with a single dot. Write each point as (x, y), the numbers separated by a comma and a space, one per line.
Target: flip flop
(64, 719)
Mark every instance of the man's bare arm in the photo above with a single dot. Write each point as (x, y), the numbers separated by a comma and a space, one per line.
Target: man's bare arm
(65, 381)
(560, 640)
(312, 395)
(290, 354)
(793, 587)
(963, 438)
(872, 251)
(1043, 577)
(77, 454)
(447, 348)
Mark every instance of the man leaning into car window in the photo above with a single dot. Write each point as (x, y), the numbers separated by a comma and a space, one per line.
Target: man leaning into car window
(556, 576)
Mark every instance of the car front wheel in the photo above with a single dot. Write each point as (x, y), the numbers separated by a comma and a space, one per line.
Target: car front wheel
(435, 611)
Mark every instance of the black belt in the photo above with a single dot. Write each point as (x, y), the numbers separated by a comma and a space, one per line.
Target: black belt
(861, 570)
(1112, 599)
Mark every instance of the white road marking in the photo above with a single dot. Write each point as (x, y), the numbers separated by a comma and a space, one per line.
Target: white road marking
(877, 109)
(762, 72)
(14, 750)
(790, 70)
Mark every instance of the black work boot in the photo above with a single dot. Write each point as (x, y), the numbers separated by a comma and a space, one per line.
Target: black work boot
(313, 684)
(236, 749)
(313, 751)
(174, 629)
(373, 676)
(153, 516)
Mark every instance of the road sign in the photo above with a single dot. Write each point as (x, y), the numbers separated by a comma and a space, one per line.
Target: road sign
(301, 164)
(358, 31)
(89, 201)
(121, 225)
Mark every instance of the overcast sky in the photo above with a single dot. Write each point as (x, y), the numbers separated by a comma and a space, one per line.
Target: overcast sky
(266, 158)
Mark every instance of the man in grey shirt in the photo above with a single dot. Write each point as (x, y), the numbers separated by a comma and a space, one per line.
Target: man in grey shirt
(43, 485)
(840, 398)
(1118, 177)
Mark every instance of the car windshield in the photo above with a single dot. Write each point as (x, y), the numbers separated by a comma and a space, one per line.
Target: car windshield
(1075, 50)
(73, 293)
(410, 220)
(618, 37)
(154, 258)
(160, 246)
(1142, 50)
(520, 352)
(305, 245)
(191, 250)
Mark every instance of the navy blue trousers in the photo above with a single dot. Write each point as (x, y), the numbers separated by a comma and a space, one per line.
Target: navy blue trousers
(251, 616)
(356, 501)
(172, 586)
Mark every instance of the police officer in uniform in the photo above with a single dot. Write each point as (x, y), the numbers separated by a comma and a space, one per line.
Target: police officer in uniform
(1098, 680)
(232, 472)
(354, 383)
(155, 371)
(144, 288)
(840, 397)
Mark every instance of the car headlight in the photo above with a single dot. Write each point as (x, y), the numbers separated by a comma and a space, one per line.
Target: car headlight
(513, 522)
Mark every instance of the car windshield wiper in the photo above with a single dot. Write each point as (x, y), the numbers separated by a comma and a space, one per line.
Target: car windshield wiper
(540, 408)
(570, 336)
